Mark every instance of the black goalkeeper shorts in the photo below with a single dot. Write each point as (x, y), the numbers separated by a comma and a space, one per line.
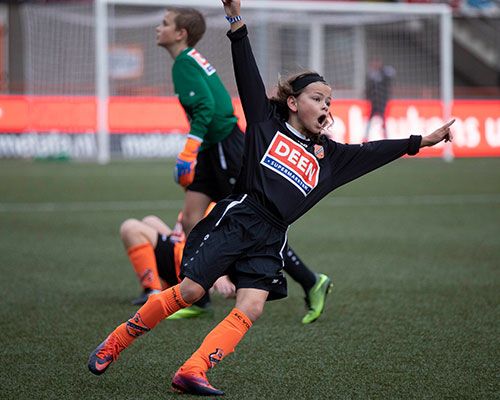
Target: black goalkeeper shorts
(218, 167)
(242, 240)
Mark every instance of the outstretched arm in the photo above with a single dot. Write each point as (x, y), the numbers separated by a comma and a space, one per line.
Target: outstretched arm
(352, 161)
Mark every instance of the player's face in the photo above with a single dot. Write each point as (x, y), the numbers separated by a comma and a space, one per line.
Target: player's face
(167, 33)
(313, 106)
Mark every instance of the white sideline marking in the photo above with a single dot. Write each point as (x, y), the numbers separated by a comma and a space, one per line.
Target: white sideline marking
(346, 201)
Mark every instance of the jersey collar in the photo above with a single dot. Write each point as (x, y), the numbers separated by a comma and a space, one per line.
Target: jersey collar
(183, 52)
(297, 133)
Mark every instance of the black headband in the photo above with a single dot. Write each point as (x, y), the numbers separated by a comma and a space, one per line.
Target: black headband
(302, 81)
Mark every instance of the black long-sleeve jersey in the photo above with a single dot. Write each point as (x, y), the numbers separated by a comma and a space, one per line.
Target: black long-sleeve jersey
(283, 172)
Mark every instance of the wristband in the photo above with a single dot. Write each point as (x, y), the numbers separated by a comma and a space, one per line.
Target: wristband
(232, 20)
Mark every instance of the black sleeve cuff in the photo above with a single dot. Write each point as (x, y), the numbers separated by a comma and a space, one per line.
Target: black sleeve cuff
(414, 144)
(238, 34)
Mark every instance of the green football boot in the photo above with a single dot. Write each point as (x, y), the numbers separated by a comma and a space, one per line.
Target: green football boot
(315, 299)
(193, 311)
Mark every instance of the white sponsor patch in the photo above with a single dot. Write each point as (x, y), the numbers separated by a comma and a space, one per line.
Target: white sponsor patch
(202, 62)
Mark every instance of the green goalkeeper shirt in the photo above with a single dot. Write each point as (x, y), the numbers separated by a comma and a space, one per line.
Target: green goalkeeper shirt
(204, 98)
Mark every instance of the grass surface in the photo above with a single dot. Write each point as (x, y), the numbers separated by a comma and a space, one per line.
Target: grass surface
(413, 249)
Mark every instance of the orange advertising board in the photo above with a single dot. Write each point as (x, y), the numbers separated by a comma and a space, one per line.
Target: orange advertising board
(132, 115)
(476, 130)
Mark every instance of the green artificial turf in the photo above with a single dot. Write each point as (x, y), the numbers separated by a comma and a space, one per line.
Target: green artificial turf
(413, 249)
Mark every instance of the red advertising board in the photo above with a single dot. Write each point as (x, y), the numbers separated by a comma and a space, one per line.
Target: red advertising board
(476, 130)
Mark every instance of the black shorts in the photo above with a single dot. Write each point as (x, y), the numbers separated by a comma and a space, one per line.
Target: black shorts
(164, 254)
(218, 167)
(242, 240)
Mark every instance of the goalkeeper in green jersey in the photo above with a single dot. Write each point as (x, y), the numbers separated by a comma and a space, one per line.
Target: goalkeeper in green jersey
(210, 162)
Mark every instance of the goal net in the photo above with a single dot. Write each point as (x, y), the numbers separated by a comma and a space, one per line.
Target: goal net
(107, 51)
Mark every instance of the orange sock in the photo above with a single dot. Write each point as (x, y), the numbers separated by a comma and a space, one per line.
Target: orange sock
(157, 308)
(142, 257)
(220, 342)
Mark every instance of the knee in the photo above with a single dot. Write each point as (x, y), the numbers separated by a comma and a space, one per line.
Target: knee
(152, 220)
(129, 228)
(148, 219)
(191, 291)
(252, 309)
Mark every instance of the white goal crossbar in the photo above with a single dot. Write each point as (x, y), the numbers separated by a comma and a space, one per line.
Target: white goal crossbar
(101, 41)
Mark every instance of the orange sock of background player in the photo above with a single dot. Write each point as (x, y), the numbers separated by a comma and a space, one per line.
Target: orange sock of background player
(156, 309)
(142, 257)
(220, 342)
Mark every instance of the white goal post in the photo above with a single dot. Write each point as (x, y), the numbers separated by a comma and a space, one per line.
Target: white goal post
(318, 18)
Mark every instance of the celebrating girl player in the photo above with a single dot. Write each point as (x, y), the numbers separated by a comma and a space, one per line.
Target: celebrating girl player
(210, 162)
(288, 167)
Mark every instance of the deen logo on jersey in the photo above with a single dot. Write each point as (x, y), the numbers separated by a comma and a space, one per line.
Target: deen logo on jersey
(202, 62)
(294, 163)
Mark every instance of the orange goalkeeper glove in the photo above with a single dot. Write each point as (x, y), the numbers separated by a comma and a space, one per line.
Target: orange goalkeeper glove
(186, 161)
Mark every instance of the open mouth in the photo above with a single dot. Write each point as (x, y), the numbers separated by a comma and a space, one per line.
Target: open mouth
(326, 122)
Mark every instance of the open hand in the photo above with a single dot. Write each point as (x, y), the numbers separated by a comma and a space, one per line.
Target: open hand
(440, 134)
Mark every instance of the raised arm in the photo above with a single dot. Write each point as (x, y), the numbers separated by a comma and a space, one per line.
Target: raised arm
(251, 88)
(232, 9)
